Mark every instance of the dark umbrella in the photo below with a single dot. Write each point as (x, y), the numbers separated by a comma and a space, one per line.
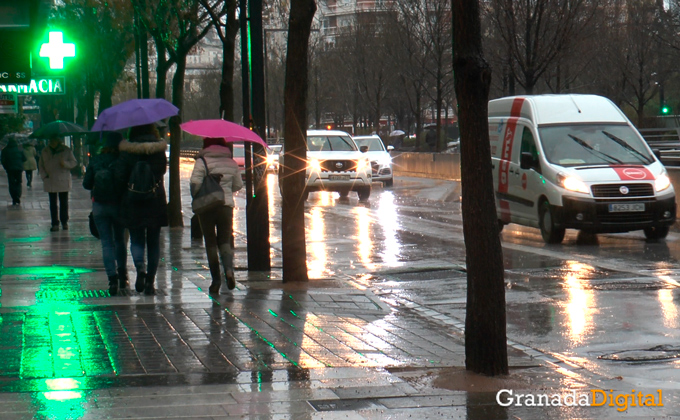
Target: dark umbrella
(57, 128)
(134, 112)
(20, 139)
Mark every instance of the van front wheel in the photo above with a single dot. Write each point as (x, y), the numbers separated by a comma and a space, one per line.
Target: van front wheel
(550, 233)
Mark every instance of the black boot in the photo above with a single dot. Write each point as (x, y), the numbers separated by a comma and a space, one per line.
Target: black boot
(139, 283)
(149, 288)
(113, 285)
(123, 281)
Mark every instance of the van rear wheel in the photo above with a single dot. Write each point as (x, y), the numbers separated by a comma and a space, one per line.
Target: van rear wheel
(546, 221)
(657, 232)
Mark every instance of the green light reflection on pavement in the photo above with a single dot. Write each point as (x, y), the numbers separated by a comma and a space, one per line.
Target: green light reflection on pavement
(45, 271)
(26, 240)
(60, 405)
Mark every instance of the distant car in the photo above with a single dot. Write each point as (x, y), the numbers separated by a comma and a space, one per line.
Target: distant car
(381, 161)
(334, 163)
(273, 157)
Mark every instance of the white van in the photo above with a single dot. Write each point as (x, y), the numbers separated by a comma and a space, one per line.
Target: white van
(575, 162)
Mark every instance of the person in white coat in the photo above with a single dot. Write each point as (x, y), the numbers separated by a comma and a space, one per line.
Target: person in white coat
(56, 162)
(217, 225)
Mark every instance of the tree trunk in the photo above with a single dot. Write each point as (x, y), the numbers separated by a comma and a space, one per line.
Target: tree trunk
(162, 66)
(485, 330)
(228, 54)
(175, 201)
(295, 105)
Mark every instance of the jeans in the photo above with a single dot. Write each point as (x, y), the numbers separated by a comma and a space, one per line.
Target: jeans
(151, 239)
(60, 211)
(220, 220)
(14, 179)
(29, 178)
(111, 233)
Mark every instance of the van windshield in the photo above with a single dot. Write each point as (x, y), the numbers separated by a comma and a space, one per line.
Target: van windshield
(593, 144)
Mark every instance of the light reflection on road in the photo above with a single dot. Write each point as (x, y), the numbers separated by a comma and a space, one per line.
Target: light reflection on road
(580, 302)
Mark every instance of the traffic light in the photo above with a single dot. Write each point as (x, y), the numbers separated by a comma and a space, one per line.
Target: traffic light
(665, 110)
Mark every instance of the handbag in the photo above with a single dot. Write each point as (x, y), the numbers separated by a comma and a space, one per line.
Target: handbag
(93, 226)
(209, 196)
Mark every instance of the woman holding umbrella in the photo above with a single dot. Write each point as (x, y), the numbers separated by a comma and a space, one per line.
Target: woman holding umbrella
(56, 162)
(215, 160)
(143, 211)
(13, 161)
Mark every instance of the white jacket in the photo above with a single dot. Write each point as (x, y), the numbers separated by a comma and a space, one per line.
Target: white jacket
(219, 162)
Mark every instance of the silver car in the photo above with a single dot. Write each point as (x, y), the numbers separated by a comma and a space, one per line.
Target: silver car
(381, 161)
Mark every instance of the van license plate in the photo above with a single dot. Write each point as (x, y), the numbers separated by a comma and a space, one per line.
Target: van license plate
(338, 177)
(627, 207)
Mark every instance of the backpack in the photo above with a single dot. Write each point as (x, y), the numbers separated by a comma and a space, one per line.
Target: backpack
(104, 187)
(142, 183)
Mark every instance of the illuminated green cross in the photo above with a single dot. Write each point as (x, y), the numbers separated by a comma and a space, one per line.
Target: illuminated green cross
(56, 50)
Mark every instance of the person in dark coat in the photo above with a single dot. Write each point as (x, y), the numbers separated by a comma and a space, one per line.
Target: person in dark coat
(217, 225)
(56, 162)
(144, 219)
(105, 208)
(13, 161)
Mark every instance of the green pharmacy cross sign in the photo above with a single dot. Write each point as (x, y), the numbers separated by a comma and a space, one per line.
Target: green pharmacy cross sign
(56, 50)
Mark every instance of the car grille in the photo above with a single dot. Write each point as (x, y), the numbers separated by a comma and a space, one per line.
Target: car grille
(614, 190)
(338, 166)
(374, 167)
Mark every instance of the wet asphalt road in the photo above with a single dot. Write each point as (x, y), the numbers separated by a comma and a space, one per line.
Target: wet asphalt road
(606, 303)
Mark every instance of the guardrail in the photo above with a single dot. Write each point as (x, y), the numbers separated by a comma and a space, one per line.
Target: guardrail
(665, 142)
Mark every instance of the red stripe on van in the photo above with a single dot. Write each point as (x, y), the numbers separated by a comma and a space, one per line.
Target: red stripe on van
(505, 210)
(508, 138)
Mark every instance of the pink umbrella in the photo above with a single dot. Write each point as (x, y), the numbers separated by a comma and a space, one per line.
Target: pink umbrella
(229, 131)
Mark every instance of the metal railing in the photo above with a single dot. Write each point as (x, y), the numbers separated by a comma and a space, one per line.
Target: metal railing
(665, 142)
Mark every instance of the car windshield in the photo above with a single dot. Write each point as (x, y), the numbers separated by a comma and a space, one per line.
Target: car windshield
(326, 143)
(374, 144)
(593, 144)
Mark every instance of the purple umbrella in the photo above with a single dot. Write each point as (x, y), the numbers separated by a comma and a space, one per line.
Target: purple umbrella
(229, 131)
(134, 112)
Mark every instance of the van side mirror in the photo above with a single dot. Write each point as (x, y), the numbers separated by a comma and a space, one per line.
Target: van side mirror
(657, 153)
(527, 161)
(390, 148)
(363, 149)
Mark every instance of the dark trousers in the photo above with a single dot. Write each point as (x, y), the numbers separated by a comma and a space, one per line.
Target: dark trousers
(14, 178)
(60, 210)
(217, 232)
(149, 238)
(29, 178)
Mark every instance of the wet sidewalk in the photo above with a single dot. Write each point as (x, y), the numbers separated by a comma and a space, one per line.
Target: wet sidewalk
(331, 348)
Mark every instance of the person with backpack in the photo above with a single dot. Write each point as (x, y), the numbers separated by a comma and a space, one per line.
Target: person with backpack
(139, 172)
(215, 160)
(13, 161)
(56, 162)
(105, 208)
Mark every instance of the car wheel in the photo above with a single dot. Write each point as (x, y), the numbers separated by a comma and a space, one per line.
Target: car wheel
(343, 193)
(364, 193)
(656, 232)
(546, 220)
(388, 183)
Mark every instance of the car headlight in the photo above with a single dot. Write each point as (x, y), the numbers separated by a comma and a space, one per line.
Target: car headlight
(314, 165)
(270, 160)
(385, 161)
(662, 182)
(572, 183)
(362, 165)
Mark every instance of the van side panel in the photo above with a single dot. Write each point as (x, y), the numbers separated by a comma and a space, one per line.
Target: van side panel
(506, 159)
